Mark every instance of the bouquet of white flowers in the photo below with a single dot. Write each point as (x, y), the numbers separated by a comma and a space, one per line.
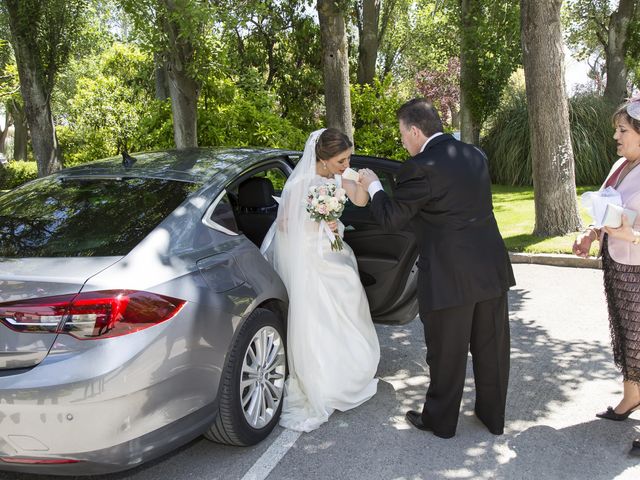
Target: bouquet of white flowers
(325, 203)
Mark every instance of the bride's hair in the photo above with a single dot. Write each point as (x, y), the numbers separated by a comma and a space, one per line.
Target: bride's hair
(330, 143)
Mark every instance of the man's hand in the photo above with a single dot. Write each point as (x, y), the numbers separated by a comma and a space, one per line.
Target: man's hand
(367, 177)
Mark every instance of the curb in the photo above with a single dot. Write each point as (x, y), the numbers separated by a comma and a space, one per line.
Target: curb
(556, 260)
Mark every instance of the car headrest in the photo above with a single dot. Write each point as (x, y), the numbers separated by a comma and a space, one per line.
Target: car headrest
(256, 193)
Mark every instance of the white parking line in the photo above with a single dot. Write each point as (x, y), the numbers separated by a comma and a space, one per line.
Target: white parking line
(269, 459)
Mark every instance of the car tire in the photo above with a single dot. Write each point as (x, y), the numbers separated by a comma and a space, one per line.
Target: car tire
(252, 384)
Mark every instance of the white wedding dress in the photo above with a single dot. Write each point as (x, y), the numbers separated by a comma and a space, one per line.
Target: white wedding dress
(332, 346)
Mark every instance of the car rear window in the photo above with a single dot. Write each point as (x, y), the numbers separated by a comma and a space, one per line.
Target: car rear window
(56, 217)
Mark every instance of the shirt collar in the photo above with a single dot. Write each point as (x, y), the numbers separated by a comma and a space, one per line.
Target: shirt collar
(429, 139)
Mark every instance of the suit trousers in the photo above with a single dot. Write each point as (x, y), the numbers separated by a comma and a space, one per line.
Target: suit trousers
(484, 327)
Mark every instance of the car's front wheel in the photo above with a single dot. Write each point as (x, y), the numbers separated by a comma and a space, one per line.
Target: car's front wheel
(252, 384)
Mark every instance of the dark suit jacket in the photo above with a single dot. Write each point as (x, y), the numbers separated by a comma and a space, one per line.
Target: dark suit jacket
(444, 195)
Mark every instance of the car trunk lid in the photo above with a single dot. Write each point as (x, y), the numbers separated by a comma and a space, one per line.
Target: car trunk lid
(29, 288)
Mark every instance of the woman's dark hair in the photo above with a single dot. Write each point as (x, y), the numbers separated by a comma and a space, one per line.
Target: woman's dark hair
(621, 112)
(422, 114)
(330, 143)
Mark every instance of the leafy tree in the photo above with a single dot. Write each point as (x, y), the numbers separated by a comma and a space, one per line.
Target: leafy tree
(375, 107)
(373, 18)
(9, 87)
(105, 116)
(337, 96)
(595, 28)
(43, 33)
(12, 100)
(419, 35)
(489, 54)
(283, 36)
(174, 31)
(367, 15)
(442, 88)
(242, 117)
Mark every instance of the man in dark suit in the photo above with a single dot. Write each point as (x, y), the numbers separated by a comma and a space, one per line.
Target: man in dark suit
(444, 194)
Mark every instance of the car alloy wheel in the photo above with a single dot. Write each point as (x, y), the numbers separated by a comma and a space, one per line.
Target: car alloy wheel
(262, 381)
(252, 383)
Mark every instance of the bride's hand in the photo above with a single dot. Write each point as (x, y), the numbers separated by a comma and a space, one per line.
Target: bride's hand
(333, 225)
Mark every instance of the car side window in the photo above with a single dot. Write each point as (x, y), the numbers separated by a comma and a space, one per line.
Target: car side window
(223, 214)
(276, 176)
(386, 179)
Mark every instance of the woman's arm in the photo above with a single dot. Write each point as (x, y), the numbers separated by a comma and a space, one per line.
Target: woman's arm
(583, 242)
(356, 192)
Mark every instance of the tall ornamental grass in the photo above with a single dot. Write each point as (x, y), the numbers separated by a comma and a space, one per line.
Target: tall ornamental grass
(508, 145)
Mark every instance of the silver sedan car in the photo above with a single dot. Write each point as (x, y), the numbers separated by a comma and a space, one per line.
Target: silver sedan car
(136, 312)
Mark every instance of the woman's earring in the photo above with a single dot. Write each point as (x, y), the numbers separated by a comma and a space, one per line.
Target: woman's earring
(324, 164)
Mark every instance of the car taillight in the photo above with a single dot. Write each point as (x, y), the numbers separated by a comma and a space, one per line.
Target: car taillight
(88, 315)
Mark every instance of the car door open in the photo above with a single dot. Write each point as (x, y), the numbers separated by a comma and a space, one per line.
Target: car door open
(386, 260)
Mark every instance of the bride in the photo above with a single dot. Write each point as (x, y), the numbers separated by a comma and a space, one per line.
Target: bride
(333, 350)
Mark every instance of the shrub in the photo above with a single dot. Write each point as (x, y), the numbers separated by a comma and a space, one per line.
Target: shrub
(107, 107)
(376, 131)
(16, 173)
(244, 118)
(82, 146)
(508, 145)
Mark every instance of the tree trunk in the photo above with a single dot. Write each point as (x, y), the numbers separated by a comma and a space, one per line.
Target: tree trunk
(616, 50)
(8, 121)
(20, 131)
(183, 88)
(469, 128)
(469, 124)
(161, 80)
(552, 157)
(337, 96)
(368, 41)
(34, 93)
(455, 117)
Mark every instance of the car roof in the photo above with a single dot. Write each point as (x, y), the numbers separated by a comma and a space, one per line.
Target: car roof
(196, 165)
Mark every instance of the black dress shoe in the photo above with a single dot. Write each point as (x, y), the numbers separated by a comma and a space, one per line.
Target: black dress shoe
(415, 419)
(610, 414)
(635, 448)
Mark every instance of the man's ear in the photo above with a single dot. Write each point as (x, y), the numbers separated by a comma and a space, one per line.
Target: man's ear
(417, 132)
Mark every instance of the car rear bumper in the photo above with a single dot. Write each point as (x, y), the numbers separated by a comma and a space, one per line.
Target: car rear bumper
(118, 457)
(110, 404)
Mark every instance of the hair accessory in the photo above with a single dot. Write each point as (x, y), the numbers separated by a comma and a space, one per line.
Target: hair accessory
(633, 108)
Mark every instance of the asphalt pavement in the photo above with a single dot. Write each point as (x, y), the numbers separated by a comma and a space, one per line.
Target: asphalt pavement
(561, 375)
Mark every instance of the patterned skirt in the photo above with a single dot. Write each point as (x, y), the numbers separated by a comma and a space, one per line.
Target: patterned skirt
(622, 289)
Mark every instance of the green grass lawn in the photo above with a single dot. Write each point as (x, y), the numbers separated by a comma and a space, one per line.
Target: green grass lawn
(514, 210)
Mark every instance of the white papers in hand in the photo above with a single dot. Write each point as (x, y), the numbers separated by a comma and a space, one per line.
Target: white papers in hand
(613, 216)
(596, 203)
(350, 174)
